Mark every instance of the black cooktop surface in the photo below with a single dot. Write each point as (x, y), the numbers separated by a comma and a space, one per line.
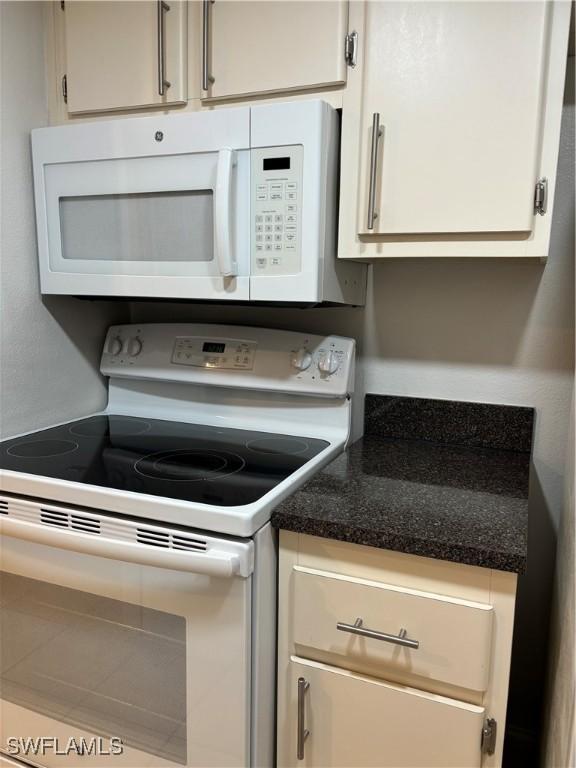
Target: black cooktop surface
(193, 462)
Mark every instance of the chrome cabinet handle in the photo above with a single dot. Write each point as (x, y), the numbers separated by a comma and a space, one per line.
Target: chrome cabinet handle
(163, 8)
(303, 733)
(357, 629)
(207, 79)
(376, 134)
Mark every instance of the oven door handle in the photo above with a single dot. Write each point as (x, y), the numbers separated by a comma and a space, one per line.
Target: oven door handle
(214, 562)
(223, 246)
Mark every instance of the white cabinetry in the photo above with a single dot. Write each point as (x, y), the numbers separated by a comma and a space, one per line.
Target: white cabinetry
(390, 660)
(264, 47)
(449, 122)
(359, 721)
(124, 54)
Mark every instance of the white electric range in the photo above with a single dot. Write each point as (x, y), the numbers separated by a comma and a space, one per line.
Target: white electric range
(138, 565)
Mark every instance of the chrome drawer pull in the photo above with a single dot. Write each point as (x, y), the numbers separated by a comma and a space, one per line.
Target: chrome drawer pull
(303, 733)
(357, 629)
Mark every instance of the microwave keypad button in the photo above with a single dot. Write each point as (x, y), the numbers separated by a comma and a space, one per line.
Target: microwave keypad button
(259, 219)
(268, 247)
(291, 195)
(291, 185)
(261, 195)
(268, 218)
(259, 247)
(259, 227)
(276, 261)
(291, 218)
(268, 238)
(261, 262)
(258, 238)
(277, 246)
(291, 208)
(278, 218)
(277, 238)
(267, 227)
(290, 236)
(277, 186)
(276, 196)
(278, 227)
(290, 246)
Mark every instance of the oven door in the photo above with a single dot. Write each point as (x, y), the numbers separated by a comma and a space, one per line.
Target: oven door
(120, 214)
(123, 653)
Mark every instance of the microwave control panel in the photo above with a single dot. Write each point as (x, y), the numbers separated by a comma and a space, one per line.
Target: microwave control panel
(276, 210)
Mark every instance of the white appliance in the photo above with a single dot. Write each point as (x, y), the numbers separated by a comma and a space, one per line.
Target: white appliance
(225, 205)
(138, 565)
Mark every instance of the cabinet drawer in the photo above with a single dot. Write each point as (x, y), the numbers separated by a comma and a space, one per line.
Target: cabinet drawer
(453, 637)
(358, 721)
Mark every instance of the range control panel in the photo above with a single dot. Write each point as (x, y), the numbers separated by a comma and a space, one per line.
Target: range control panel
(276, 210)
(231, 356)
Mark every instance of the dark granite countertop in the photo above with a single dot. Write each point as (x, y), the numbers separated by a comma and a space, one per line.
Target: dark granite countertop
(432, 478)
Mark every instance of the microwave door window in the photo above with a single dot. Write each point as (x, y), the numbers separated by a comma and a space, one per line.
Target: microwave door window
(162, 227)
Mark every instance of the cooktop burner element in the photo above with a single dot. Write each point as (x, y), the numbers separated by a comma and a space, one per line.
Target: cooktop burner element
(191, 462)
(190, 466)
(37, 449)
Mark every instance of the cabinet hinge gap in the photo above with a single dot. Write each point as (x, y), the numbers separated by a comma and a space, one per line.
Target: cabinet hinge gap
(351, 48)
(541, 196)
(65, 89)
(488, 741)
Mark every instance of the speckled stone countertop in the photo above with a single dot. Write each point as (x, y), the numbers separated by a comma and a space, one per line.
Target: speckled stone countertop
(440, 479)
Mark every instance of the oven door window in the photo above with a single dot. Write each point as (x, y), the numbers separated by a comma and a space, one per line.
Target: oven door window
(100, 665)
(142, 227)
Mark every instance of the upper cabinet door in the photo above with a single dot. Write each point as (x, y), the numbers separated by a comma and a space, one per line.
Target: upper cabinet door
(451, 116)
(263, 47)
(125, 55)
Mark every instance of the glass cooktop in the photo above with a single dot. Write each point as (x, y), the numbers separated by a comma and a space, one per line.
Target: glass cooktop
(193, 462)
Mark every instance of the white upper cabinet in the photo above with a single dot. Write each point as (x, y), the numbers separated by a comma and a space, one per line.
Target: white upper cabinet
(124, 55)
(444, 131)
(264, 47)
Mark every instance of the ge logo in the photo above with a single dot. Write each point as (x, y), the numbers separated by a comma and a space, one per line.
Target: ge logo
(158, 135)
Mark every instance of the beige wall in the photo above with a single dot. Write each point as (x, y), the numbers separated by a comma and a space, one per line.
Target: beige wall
(49, 348)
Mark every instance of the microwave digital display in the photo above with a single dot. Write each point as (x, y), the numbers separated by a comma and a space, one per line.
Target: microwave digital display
(276, 164)
(213, 346)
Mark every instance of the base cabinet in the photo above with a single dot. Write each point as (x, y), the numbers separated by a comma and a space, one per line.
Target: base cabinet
(359, 721)
(417, 678)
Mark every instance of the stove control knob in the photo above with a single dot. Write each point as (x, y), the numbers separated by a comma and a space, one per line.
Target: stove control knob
(301, 359)
(134, 347)
(328, 363)
(115, 345)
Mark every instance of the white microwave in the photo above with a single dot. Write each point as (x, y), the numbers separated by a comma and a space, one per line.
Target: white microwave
(224, 205)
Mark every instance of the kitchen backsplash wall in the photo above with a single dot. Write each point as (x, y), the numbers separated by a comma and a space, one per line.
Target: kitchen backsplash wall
(49, 347)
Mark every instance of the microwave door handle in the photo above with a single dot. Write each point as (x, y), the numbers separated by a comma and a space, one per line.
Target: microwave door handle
(224, 251)
(212, 563)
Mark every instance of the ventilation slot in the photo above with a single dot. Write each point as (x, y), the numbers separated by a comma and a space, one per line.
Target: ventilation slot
(188, 543)
(52, 517)
(85, 524)
(153, 538)
(3, 507)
